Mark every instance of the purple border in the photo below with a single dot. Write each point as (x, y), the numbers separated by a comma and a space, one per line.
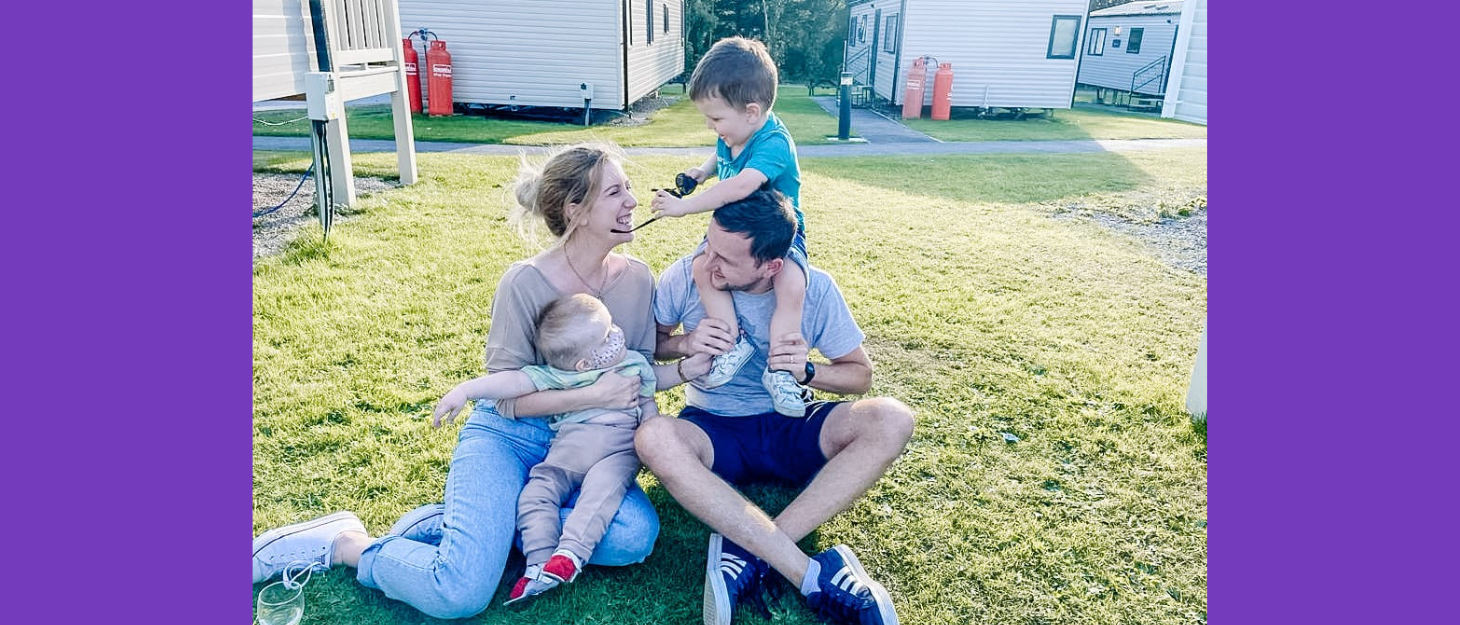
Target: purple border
(123, 252)
(1331, 390)
(127, 461)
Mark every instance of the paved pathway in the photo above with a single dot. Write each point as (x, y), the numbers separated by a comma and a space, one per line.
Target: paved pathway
(884, 136)
(873, 126)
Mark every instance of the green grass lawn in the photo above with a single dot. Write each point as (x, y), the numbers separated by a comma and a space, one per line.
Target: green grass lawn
(1064, 124)
(678, 125)
(981, 313)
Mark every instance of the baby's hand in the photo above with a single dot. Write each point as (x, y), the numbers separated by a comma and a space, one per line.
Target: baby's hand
(698, 174)
(666, 204)
(449, 407)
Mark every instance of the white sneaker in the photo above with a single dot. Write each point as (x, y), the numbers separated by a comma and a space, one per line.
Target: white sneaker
(785, 392)
(726, 365)
(309, 544)
(422, 525)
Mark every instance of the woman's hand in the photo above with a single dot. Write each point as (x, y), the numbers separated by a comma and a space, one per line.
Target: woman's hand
(449, 407)
(616, 390)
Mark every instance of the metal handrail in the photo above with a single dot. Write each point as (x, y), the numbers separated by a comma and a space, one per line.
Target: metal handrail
(1135, 79)
(853, 59)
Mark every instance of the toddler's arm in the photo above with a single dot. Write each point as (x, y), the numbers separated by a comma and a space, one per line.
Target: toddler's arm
(499, 385)
(734, 188)
(703, 172)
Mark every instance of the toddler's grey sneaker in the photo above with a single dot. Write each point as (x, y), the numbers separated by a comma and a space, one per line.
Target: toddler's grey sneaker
(786, 394)
(726, 365)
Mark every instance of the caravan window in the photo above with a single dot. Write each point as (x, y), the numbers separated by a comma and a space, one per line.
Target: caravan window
(1097, 42)
(889, 34)
(1133, 44)
(649, 11)
(665, 11)
(1064, 30)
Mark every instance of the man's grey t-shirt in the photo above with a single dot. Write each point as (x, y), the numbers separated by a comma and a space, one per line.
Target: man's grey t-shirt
(826, 323)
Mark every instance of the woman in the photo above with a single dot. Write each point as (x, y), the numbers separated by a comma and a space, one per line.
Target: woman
(446, 559)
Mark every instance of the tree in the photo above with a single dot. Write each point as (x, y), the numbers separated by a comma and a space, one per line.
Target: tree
(804, 37)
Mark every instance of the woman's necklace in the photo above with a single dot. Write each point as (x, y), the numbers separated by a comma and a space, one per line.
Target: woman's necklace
(598, 292)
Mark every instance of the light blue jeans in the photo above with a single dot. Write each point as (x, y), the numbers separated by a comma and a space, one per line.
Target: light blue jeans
(488, 470)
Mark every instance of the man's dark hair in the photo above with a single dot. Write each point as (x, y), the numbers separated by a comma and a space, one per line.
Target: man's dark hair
(766, 218)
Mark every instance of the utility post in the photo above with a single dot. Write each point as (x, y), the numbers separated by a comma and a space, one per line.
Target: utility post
(844, 119)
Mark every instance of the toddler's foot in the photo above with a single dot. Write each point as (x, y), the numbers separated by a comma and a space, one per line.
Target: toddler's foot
(532, 584)
(563, 567)
(786, 394)
(726, 365)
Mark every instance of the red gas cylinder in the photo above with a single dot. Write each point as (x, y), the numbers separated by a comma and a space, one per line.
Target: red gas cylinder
(438, 60)
(912, 95)
(413, 76)
(943, 91)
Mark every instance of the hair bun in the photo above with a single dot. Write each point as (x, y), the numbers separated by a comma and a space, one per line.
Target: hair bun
(525, 189)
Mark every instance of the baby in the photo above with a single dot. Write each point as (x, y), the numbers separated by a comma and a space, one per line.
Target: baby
(592, 450)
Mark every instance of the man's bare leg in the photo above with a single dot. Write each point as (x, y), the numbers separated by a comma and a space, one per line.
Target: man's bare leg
(861, 439)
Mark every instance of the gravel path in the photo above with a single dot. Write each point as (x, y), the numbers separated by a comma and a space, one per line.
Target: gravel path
(274, 231)
(1178, 241)
(1172, 223)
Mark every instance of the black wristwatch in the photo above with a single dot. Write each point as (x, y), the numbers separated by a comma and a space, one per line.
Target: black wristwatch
(810, 373)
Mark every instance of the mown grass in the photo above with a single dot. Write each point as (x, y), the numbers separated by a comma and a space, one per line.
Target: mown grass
(1063, 124)
(678, 125)
(984, 316)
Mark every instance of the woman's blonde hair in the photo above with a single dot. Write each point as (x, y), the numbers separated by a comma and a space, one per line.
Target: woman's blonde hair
(571, 175)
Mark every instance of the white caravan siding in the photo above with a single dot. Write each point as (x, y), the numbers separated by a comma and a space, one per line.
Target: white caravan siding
(537, 51)
(886, 62)
(1187, 99)
(1114, 69)
(653, 64)
(283, 51)
(858, 52)
(998, 49)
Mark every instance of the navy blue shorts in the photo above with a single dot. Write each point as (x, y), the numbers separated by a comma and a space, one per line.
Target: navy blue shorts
(768, 447)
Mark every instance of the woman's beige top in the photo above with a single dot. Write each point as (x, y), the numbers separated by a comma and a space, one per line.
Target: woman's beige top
(524, 290)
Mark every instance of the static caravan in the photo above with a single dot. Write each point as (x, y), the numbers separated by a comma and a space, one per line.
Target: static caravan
(1128, 48)
(554, 53)
(1186, 97)
(1004, 53)
(361, 57)
(281, 54)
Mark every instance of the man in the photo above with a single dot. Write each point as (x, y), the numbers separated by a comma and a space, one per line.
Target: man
(731, 435)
